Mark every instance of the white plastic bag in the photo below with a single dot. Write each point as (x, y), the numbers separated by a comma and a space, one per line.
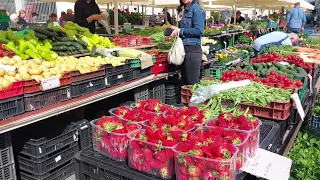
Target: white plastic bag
(177, 52)
(105, 22)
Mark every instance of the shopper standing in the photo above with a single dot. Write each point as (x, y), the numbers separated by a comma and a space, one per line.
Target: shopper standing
(296, 19)
(86, 13)
(190, 31)
(22, 17)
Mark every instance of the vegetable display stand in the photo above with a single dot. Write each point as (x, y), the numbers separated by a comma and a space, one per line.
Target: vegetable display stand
(84, 87)
(62, 172)
(7, 165)
(118, 77)
(275, 110)
(110, 69)
(15, 89)
(141, 93)
(314, 123)
(173, 94)
(33, 86)
(139, 73)
(76, 76)
(217, 70)
(43, 99)
(41, 166)
(157, 90)
(11, 107)
(136, 63)
(270, 138)
(162, 57)
(92, 165)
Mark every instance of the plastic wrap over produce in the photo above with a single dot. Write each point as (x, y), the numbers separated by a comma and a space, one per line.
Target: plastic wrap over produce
(104, 51)
(204, 93)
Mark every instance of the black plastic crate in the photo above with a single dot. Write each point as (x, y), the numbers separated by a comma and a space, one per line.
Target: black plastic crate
(306, 103)
(118, 77)
(141, 93)
(173, 100)
(43, 99)
(270, 136)
(62, 172)
(205, 70)
(139, 73)
(90, 165)
(43, 146)
(7, 165)
(87, 86)
(41, 166)
(111, 69)
(158, 90)
(172, 90)
(11, 107)
(84, 134)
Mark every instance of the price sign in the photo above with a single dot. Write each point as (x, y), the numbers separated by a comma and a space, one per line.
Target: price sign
(297, 101)
(120, 76)
(50, 83)
(268, 165)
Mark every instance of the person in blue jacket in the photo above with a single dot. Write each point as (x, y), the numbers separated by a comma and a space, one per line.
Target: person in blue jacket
(276, 38)
(296, 19)
(190, 31)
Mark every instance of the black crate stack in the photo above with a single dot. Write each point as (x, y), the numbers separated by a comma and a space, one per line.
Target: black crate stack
(7, 165)
(157, 90)
(42, 156)
(173, 90)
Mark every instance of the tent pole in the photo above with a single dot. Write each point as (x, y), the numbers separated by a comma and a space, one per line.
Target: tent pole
(165, 15)
(116, 20)
(143, 13)
(235, 12)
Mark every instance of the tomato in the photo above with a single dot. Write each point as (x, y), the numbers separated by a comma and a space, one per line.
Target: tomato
(2, 47)
(288, 82)
(299, 83)
(223, 78)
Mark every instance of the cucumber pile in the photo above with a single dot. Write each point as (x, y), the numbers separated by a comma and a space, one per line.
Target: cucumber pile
(61, 44)
(263, 69)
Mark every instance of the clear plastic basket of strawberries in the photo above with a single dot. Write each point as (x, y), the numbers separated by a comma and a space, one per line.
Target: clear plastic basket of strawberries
(237, 138)
(110, 136)
(246, 123)
(134, 115)
(150, 150)
(200, 160)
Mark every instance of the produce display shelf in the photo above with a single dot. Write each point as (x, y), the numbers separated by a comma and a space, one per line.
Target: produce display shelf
(144, 46)
(44, 113)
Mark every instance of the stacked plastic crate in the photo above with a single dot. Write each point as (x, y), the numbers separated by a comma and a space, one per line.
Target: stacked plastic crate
(11, 101)
(7, 165)
(157, 90)
(173, 90)
(42, 158)
(117, 75)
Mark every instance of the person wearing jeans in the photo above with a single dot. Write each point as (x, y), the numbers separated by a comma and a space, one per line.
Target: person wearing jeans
(190, 31)
(296, 19)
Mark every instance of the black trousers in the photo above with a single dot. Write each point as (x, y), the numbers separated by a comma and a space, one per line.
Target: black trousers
(190, 68)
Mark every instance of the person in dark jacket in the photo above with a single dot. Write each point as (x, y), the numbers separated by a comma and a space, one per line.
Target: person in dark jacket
(22, 18)
(86, 13)
(190, 31)
(239, 18)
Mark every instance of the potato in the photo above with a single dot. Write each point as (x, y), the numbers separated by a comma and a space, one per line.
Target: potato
(11, 73)
(12, 62)
(2, 72)
(37, 61)
(23, 69)
(25, 77)
(34, 72)
(5, 83)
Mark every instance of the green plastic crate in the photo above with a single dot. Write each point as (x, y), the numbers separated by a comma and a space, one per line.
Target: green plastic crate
(136, 63)
(302, 91)
(216, 72)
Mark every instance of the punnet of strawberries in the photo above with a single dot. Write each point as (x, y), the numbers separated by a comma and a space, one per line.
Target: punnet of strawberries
(110, 136)
(132, 114)
(150, 150)
(211, 155)
(240, 122)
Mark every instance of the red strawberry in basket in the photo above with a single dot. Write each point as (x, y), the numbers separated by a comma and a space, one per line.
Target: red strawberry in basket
(220, 150)
(161, 156)
(165, 172)
(209, 175)
(228, 117)
(185, 146)
(148, 154)
(154, 119)
(246, 126)
(171, 120)
(183, 170)
(194, 171)
(241, 119)
(122, 110)
(153, 107)
(178, 113)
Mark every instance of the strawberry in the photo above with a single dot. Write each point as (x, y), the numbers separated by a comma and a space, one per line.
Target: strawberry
(122, 110)
(150, 130)
(171, 120)
(161, 156)
(148, 154)
(194, 171)
(222, 123)
(216, 131)
(220, 150)
(241, 119)
(193, 109)
(183, 170)
(228, 117)
(182, 177)
(193, 178)
(233, 125)
(217, 165)
(130, 127)
(178, 113)
(209, 175)
(202, 164)
(145, 167)
(123, 154)
(186, 160)
(206, 151)
(159, 135)
(196, 151)
(169, 142)
(181, 122)
(155, 164)
(176, 134)
(154, 119)
(255, 124)
(206, 114)
(236, 140)
(245, 126)
(143, 116)
(185, 146)
(212, 123)
(165, 172)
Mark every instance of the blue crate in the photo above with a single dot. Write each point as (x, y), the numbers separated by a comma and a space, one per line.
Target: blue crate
(314, 123)
(308, 31)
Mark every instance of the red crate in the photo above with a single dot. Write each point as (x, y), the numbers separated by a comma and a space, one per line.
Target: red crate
(160, 68)
(162, 57)
(138, 41)
(33, 86)
(14, 90)
(267, 112)
(76, 76)
(186, 94)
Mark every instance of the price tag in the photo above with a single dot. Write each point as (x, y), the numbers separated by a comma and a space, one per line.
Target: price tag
(297, 101)
(50, 83)
(120, 76)
(89, 85)
(268, 165)
(8, 68)
(284, 63)
(58, 158)
(311, 87)
(106, 81)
